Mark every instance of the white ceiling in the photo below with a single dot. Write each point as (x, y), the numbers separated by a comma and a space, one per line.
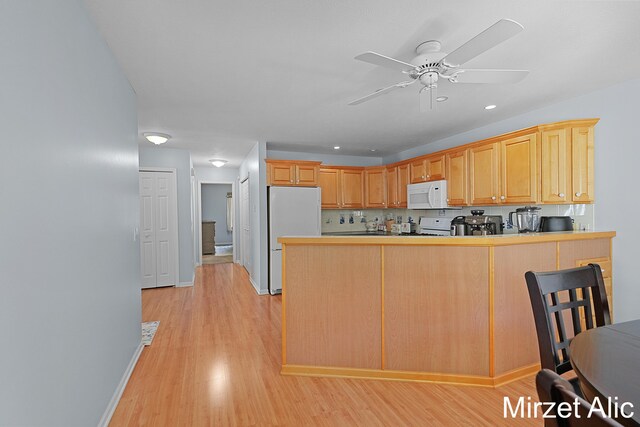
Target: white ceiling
(220, 75)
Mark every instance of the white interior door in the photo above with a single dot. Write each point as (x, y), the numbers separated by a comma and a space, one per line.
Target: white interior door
(245, 225)
(158, 219)
(147, 231)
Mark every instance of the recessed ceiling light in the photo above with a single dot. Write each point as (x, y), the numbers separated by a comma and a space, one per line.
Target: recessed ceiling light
(218, 162)
(490, 107)
(336, 147)
(156, 138)
(372, 150)
(442, 98)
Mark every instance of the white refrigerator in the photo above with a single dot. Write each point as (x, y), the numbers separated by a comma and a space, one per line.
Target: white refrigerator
(293, 211)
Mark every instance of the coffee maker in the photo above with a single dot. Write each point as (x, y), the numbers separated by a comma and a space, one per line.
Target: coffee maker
(478, 224)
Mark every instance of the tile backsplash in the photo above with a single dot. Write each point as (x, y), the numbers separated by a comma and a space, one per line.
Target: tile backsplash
(354, 220)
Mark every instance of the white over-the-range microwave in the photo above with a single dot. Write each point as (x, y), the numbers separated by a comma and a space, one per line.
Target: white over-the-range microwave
(427, 195)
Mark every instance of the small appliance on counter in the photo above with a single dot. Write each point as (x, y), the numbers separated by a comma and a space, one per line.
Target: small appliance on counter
(396, 229)
(440, 226)
(556, 223)
(528, 220)
(478, 224)
(408, 227)
(458, 226)
(371, 226)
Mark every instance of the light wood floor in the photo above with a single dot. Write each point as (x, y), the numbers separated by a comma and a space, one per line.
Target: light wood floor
(215, 361)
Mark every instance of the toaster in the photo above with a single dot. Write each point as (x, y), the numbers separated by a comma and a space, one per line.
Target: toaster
(408, 227)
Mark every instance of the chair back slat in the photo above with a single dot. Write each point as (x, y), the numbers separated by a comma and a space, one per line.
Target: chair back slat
(561, 302)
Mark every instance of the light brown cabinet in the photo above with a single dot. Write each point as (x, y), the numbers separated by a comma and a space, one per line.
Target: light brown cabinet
(375, 187)
(504, 171)
(341, 187)
(566, 170)
(429, 168)
(397, 181)
(582, 182)
(292, 173)
(458, 177)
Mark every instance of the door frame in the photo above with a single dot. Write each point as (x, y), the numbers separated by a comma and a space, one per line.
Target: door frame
(198, 218)
(174, 208)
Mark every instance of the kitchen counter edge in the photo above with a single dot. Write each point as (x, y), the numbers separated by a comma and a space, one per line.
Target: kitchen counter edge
(494, 240)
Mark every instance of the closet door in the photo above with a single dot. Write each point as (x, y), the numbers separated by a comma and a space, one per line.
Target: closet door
(158, 224)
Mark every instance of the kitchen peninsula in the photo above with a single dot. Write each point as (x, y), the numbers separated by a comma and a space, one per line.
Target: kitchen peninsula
(443, 309)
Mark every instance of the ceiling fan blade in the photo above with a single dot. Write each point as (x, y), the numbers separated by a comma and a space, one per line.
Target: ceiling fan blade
(381, 92)
(497, 33)
(428, 99)
(490, 76)
(384, 61)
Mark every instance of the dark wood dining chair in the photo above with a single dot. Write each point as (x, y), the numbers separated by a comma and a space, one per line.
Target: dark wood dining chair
(553, 388)
(556, 294)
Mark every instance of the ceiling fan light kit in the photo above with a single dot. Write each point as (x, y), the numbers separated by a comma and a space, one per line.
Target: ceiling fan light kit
(431, 65)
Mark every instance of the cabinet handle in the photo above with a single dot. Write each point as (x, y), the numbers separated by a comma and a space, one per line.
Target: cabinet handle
(297, 181)
(502, 197)
(291, 180)
(428, 176)
(423, 176)
(493, 197)
(578, 194)
(561, 195)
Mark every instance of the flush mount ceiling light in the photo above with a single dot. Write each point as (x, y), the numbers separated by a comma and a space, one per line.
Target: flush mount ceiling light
(490, 107)
(373, 150)
(218, 162)
(156, 138)
(336, 147)
(442, 98)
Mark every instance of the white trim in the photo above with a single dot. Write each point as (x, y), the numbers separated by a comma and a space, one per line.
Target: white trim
(185, 284)
(115, 399)
(257, 289)
(174, 196)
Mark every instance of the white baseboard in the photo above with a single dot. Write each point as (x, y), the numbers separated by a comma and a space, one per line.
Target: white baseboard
(185, 284)
(111, 407)
(257, 288)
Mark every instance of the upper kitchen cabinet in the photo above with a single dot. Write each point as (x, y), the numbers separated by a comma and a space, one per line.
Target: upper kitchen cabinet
(458, 177)
(429, 168)
(504, 171)
(519, 169)
(582, 182)
(292, 172)
(375, 187)
(484, 174)
(397, 181)
(341, 187)
(555, 165)
(566, 152)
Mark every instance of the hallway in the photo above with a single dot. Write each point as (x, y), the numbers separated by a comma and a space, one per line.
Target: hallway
(216, 361)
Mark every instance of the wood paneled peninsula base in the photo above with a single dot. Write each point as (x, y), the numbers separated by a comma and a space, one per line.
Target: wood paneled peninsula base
(441, 309)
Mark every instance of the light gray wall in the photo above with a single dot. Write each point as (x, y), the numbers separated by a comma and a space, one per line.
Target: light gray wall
(326, 159)
(254, 167)
(70, 308)
(164, 157)
(616, 164)
(214, 208)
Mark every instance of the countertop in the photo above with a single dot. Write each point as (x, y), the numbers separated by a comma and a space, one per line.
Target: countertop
(493, 240)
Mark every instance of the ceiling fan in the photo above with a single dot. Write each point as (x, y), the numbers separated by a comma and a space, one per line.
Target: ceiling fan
(431, 65)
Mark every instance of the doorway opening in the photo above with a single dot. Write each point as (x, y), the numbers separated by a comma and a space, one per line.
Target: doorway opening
(216, 213)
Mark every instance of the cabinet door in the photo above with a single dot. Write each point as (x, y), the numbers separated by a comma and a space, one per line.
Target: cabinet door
(418, 170)
(352, 188)
(392, 187)
(582, 164)
(483, 173)
(435, 167)
(375, 188)
(458, 178)
(555, 158)
(403, 181)
(519, 171)
(329, 182)
(307, 175)
(281, 174)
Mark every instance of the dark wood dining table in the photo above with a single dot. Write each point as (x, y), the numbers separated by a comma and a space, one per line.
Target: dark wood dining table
(607, 362)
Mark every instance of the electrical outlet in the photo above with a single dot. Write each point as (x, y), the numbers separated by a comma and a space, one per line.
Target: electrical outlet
(341, 219)
(350, 219)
